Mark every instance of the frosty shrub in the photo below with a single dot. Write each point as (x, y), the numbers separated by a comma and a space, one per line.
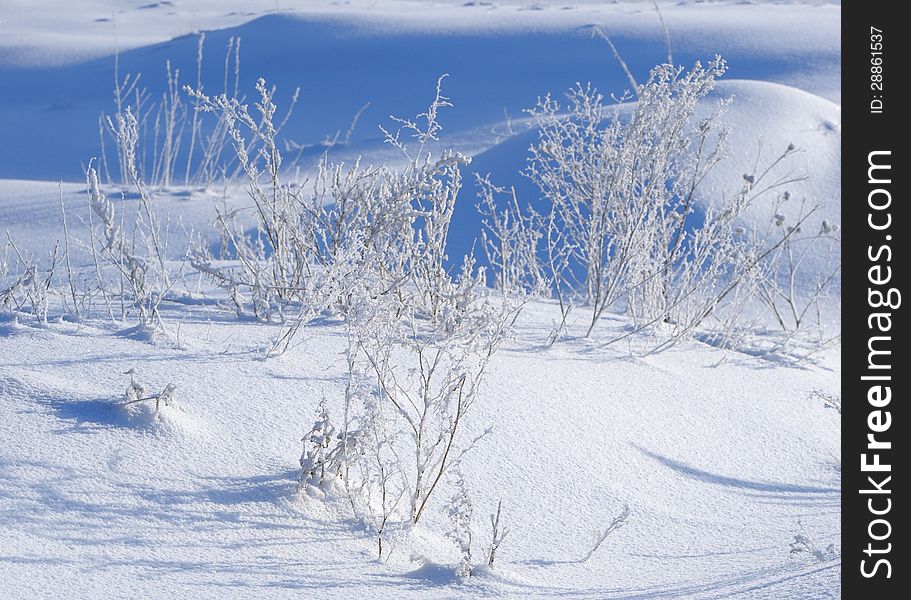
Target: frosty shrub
(792, 295)
(271, 263)
(130, 268)
(410, 385)
(617, 225)
(720, 267)
(428, 376)
(420, 336)
(135, 392)
(356, 227)
(779, 279)
(356, 461)
(618, 188)
(412, 382)
(128, 244)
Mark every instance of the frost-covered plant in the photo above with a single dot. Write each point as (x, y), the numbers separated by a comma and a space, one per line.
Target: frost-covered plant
(460, 511)
(429, 376)
(718, 268)
(412, 380)
(158, 145)
(804, 545)
(4, 259)
(32, 287)
(619, 226)
(793, 295)
(498, 533)
(356, 226)
(271, 266)
(142, 268)
(832, 401)
(360, 454)
(619, 185)
(615, 524)
(510, 237)
(772, 273)
(419, 337)
(317, 462)
(382, 482)
(136, 393)
(358, 457)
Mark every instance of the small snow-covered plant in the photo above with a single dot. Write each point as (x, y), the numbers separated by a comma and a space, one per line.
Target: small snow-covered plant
(792, 293)
(383, 484)
(68, 262)
(771, 273)
(429, 375)
(272, 265)
(510, 238)
(460, 511)
(32, 288)
(143, 277)
(365, 453)
(136, 393)
(412, 379)
(498, 533)
(158, 143)
(317, 459)
(832, 401)
(615, 524)
(804, 545)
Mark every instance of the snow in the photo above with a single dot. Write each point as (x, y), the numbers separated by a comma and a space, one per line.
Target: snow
(717, 453)
(717, 463)
(346, 58)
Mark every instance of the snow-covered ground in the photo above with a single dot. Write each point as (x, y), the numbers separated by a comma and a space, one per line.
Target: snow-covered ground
(716, 461)
(718, 454)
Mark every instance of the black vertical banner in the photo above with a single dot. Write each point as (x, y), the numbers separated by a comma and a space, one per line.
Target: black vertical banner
(875, 170)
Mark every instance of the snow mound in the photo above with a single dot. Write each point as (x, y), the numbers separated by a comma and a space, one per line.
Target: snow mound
(766, 117)
(342, 58)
